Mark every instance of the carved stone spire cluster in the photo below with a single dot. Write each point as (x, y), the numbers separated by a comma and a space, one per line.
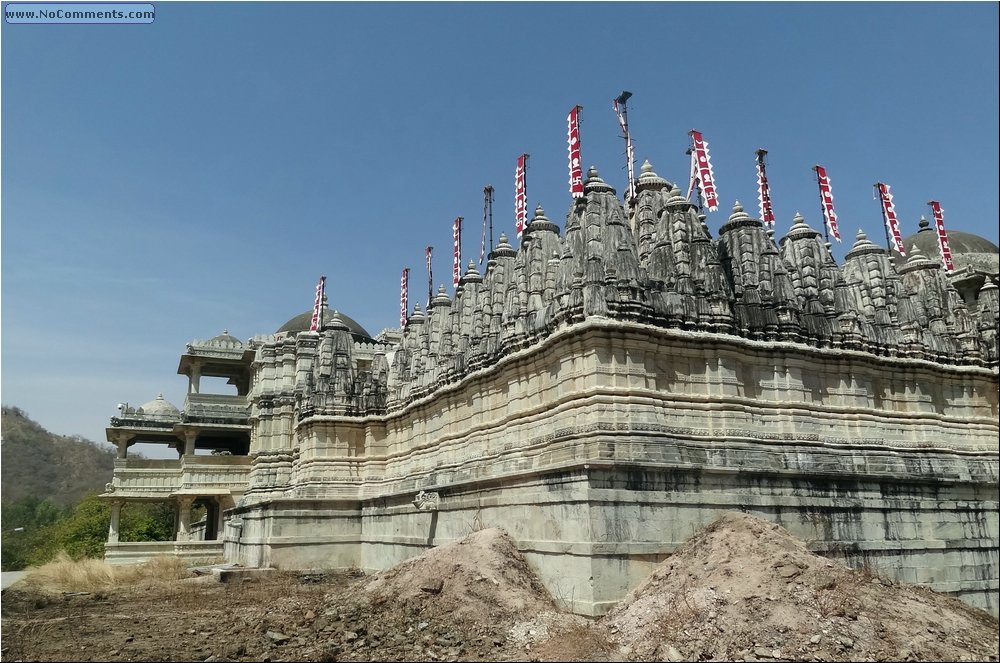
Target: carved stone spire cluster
(662, 267)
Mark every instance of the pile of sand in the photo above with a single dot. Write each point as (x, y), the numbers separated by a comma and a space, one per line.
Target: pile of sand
(482, 577)
(744, 589)
(462, 600)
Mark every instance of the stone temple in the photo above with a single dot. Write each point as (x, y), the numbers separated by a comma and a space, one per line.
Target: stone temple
(601, 393)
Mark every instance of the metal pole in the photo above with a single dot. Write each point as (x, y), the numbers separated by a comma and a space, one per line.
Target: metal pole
(885, 219)
(489, 205)
(430, 277)
(526, 155)
(697, 185)
(622, 99)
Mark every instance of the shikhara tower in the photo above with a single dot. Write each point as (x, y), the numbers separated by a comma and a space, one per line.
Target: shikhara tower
(601, 392)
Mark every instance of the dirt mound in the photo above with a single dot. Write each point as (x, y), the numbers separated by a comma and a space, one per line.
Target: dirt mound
(480, 576)
(460, 600)
(745, 589)
(741, 589)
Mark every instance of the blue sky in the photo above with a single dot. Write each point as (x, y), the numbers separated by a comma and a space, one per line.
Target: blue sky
(163, 182)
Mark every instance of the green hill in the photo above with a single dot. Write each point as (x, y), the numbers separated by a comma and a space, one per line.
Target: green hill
(42, 465)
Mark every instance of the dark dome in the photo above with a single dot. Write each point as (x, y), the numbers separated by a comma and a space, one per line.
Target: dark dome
(303, 321)
(967, 249)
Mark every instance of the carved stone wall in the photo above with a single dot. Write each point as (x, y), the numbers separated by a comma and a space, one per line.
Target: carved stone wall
(603, 394)
(635, 427)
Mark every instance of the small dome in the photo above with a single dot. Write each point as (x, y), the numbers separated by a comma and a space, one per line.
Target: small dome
(676, 197)
(225, 340)
(503, 248)
(595, 183)
(442, 298)
(160, 408)
(738, 219)
(967, 249)
(335, 321)
(540, 222)
(648, 179)
(303, 321)
(738, 212)
(417, 317)
(472, 274)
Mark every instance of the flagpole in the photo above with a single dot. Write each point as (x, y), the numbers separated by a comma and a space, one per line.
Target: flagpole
(526, 155)
(575, 138)
(885, 219)
(623, 100)
(521, 194)
(579, 122)
(430, 278)
(822, 207)
(697, 183)
(766, 209)
(487, 213)
(457, 257)
(404, 309)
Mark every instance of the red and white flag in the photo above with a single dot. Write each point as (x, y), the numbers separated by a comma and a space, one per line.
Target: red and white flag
(404, 288)
(889, 214)
(520, 195)
(942, 235)
(575, 165)
(764, 192)
(704, 169)
(456, 268)
(826, 201)
(629, 153)
(318, 305)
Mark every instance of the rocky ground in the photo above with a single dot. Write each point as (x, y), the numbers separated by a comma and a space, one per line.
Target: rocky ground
(741, 589)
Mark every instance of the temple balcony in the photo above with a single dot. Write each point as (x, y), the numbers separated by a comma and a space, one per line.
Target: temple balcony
(231, 410)
(142, 478)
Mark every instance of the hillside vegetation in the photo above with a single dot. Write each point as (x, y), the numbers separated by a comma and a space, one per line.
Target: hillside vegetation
(37, 463)
(50, 504)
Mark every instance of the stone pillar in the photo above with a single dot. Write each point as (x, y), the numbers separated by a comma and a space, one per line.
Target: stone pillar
(211, 520)
(122, 442)
(219, 519)
(116, 514)
(184, 518)
(194, 380)
(189, 438)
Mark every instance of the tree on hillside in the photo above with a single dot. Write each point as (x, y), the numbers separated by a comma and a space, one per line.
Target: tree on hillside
(50, 485)
(81, 532)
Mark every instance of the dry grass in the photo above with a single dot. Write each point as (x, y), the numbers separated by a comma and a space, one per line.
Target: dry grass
(64, 574)
(578, 643)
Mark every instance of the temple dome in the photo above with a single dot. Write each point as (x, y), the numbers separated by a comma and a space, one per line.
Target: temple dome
(967, 249)
(303, 321)
(160, 407)
(224, 340)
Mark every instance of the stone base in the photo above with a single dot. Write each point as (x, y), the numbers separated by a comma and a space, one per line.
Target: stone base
(593, 531)
(192, 552)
